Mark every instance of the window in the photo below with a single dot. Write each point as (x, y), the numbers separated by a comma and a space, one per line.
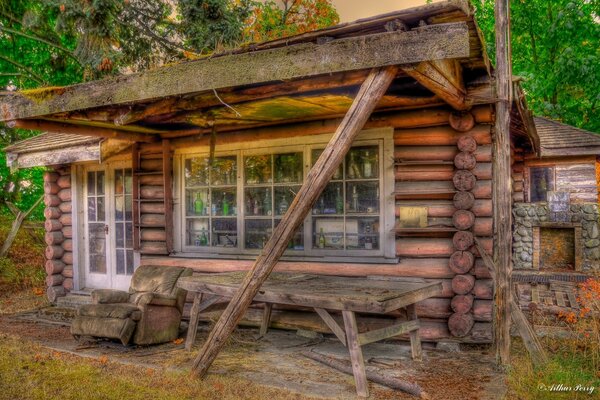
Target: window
(232, 204)
(541, 181)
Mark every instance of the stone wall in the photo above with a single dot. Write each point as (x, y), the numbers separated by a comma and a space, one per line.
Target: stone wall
(529, 215)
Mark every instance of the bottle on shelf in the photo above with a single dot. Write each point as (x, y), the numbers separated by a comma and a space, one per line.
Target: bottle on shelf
(367, 167)
(197, 241)
(322, 241)
(225, 206)
(283, 205)
(339, 201)
(198, 205)
(203, 238)
(255, 207)
(353, 168)
(368, 238)
(354, 199)
(267, 202)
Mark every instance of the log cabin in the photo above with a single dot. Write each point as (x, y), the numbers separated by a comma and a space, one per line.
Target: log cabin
(194, 164)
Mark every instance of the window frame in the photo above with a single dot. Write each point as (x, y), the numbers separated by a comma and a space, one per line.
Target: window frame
(305, 144)
(552, 167)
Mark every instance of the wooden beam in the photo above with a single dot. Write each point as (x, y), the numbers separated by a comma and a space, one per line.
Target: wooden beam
(387, 332)
(332, 324)
(56, 127)
(367, 98)
(443, 78)
(502, 188)
(431, 42)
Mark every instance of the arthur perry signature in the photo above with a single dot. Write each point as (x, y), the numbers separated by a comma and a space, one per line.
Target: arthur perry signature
(559, 387)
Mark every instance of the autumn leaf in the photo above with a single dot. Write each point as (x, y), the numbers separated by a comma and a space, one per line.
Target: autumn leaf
(178, 341)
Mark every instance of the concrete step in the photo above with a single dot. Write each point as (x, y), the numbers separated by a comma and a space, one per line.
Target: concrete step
(73, 300)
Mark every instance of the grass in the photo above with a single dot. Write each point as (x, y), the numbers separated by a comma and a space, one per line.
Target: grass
(29, 371)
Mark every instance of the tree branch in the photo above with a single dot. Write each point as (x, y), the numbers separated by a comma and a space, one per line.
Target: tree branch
(39, 39)
(32, 74)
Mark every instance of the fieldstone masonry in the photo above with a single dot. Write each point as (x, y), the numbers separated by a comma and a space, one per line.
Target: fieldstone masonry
(527, 216)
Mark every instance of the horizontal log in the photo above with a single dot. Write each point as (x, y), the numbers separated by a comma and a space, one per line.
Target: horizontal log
(153, 235)
(68, 245)
(65, 207)
(484, 289)
(54, 252)
(51, 200)
(480, 270)
(445, 208)
(462, 121)
(152, 208)
(434, 308)
(153, 248)
(51, 188)
(68, 232)
(54, 266)
(52, 213)
(67, 258)
(465, 160)
(440, 136)
(51, 176)
(66, 219)
(461, 303)
(460, 324)
(483, 227)
(54, 292)
(439, 190)
(64, 195)
(463, 200)
(481, 332)
(52, 225)
(54, 280)
(64, 181)
(151, 164)
(464, 180)
(438, 153)
(152, 192)
(424, 247)
(518, 197)
(467, 143)
(517, 176)
(461, 262)
(463, 219)
(151, 180)
(68, 271)
(68, 284)
(483, 310)
(517, 186)
(54, 238)
(152, 220)
(463, 284)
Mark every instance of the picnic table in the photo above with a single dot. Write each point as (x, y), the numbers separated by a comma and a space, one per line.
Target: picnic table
(324, 294)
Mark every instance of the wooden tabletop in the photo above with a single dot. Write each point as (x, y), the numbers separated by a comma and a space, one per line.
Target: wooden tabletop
(329, 292)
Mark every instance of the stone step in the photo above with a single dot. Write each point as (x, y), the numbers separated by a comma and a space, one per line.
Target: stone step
(73, 300)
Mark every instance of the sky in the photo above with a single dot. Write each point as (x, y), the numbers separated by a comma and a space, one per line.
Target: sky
(351, 10)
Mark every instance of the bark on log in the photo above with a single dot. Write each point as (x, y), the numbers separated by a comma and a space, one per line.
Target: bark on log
(52, 213)
(483, 227)
(467, 143)
(463, 219)
(462, 303)
(518, 197)
(51, 188)
(68, 271)
(52, 225)
(463, 284)
(363, 105)
(483, 310)
(445, 208)
(484, 289)
(67, 245)
(50, 176)
(54, 280)
(54, 252)
(462, 122)
(67, 258)
(151, 180)
(464, 180)
(54, 238)
(151, 164)
(64, 181)
(54, 266)
(52, 200)
(152, 220)
(463, 200)
(66, 219)
(434, 307)
(464, 160)
(461, 262)
(153, 248)
(68, 284)
(462, 240)
(152, 208)
(460, 324)
(65, 207)
(152, 192)
(482, 332)
(153, 235)
(64, 195)
(54, 292)
(68, 232)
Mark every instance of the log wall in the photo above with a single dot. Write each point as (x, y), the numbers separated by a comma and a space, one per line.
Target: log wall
(59, 232)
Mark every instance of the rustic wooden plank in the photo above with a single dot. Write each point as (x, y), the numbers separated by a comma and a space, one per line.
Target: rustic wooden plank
(530, 340)
(193, 324)
(298, 61)
(441, 77)
(573, 299)
(266, 318)
(388, 332)
(89, 152)
(415, 340)
(356, 356)
(318, 177)
(560, 298)
(332, 324)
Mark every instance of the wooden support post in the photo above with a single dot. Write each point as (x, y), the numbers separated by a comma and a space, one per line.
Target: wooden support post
(332, 324)
(371, 91)
(415, 340)
(193, 324)
(266, 318)
(502, 185)
(356, 356)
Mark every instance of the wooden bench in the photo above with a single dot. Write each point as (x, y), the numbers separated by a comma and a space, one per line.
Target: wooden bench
(324, 294)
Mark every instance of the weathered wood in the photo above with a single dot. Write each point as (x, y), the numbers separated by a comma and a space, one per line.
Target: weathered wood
(424, 247)
(369, 94)
(193, 324)
(394, 383)
(487, 260)
(68, 232)
(415, 340)
(51, 176)
(332, 324)
(67, 272)
(356, 356)
(484, 289)
(464, 160)
(288, 62)
(443, 79)
(463, 219)
(461, 262)
(463, 284)
(54, 252)
(52, 213)
(440, 136)
(65, 207)
(387, 332)
(54, 292)
(442, 172)
(64, 182)
(266, 319)
(462, 240)
(462, 303)
(152, 235)
(51, 188)
(483, 310)
(462, 122)
(52, 225)
(438, 153)
(67, 258)
(463, 200)
(67, 244)
(66, 219)
(54, 266)
(460, 324)
(464, 180)
(68, 284)
(153, 248)
(54, 280)
(152, 220)
(467, 143)
(52, 238)
(152, 192)
(51, 200)
(168, 197)
(64, 195)
(530, 339)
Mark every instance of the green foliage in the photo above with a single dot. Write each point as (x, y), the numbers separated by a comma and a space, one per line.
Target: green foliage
(21, 276)
(555, 49)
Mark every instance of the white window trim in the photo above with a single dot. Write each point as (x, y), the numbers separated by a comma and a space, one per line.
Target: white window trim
(383, 136)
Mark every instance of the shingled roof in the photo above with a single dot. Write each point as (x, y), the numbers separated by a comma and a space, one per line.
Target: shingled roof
(558, 139)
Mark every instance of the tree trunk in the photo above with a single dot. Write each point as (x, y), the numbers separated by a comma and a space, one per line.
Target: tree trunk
(19, 218)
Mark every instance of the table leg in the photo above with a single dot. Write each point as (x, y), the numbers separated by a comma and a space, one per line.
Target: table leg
(415, 340)
(264, 325)
(193, 325)
(356, 356)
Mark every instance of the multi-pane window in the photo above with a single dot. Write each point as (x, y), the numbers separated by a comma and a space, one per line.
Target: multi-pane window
(96, 217)
(233, 203)
(541, 180)
(123, 221)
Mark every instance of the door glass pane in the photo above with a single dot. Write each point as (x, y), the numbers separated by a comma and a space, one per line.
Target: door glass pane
(123, 221)
(96, 223)
(120, 234)
(97, 248)
(120, 262)
(129, 262)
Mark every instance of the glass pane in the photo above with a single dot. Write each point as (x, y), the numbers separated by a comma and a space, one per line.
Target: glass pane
(288, 168)
(129, 262)
(129, 207)
(100, 182)
(198, 232)
(362, 233)
(223, 202)
(224, 232)
(119, 208)
(362, 163)
(129, 235)
(258, 201)
(119, 182)
(297, 243)
(91, 206)
(120, 262)
(197, 202)
(128, 181)
(120, 234)
(91, 183)
(101, 215)
(284, 195)
(97, 248)
(224, 171)
(331, 200)
(338, 173)
(257, 232)
(196, 171)
(362, 197)
(328, 233)
(257, 169)
(542, 181)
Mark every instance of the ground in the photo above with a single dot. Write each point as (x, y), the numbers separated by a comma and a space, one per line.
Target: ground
(33, 347)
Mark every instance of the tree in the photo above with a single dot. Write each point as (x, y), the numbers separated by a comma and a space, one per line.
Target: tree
(555, 50)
